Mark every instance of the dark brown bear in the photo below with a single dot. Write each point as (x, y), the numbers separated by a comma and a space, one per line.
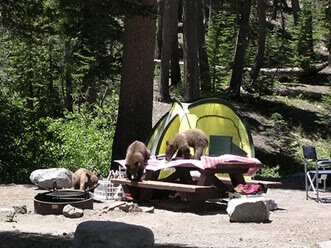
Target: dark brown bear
(136, 156)
(183, 141)
(84, 179)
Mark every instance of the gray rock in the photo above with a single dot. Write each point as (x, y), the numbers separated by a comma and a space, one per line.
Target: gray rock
(7, 214)
(130, 207)
(248, 210)
(147, 209)
(109, 234)
(272, 205)
(20, 209)
(44, 178)
(72, 212)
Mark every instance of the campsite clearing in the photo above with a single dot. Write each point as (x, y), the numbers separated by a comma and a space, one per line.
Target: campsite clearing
(297, 223)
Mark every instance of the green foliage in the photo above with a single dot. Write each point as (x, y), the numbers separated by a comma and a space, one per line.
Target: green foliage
(220, 46)
(279, 50)
(33, 75)
(252, 37)
(284, 143)
(325, 111)
(82, 141)
(304, 36)
(270, 172)
(263, 85)
(74, 141)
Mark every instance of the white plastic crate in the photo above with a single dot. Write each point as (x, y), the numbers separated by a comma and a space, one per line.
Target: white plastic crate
(109, 191)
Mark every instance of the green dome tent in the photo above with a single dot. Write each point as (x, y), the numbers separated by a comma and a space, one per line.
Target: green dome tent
(214, 116)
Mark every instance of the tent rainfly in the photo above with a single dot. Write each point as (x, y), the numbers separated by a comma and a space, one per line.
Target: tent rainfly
(214, 116)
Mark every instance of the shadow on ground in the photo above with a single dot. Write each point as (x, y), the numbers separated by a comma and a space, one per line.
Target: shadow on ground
(34, 240)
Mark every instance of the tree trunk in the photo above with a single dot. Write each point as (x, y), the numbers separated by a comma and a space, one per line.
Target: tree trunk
(134, 120)
(328, 18)
(191, 73)
(203, 57)
(295, 10)
(169, 33)
(68, 100)
(158, 47)
(242, 41)
(175, 68)
(261, 7)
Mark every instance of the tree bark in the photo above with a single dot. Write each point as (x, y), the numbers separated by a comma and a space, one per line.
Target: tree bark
(261, 7)
(158, 47)
(203, 57)
(191, 69)
(295, 10)
(68, 100)
(328, 18)
(169, 34)
(242, 41)
(134, 120)
(175, 67)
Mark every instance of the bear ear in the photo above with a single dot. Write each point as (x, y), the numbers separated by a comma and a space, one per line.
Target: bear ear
(167, 143)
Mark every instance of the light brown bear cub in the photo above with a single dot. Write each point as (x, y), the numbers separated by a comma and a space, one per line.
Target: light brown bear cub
(136, 156)
(183, 141)
(83, 179)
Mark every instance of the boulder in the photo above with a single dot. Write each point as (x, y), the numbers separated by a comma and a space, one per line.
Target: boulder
(7, 214)
(72, 212)
(252, 209)
(44, 178)
(106, 234)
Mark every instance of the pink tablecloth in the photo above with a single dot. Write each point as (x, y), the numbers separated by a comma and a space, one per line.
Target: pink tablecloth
(155, 164)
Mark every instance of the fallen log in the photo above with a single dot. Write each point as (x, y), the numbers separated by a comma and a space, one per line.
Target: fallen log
(279, 72)
(292, 71)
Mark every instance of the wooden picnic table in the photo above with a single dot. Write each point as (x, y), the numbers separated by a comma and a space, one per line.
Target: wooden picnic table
(196, 191)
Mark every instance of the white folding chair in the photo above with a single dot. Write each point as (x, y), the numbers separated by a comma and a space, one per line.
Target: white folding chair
(313, 178)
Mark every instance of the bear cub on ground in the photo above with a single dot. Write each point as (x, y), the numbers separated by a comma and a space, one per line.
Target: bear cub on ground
(136, 156)
(83, 179)
(183, 141)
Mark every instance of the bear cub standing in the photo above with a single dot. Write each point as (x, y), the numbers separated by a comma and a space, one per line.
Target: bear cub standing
(183, 141)
(136, 156)
(83, 179)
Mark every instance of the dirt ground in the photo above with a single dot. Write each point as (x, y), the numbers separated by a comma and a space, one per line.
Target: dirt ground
(296, 223)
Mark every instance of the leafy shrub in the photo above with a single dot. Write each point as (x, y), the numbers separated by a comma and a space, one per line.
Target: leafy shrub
(83, 140)
(73, 141)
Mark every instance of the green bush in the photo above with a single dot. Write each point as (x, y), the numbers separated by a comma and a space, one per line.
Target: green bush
(82, 141)
(73, 141)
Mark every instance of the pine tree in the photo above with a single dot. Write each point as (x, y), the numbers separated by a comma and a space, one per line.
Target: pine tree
(220, 46)
(304, 36)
